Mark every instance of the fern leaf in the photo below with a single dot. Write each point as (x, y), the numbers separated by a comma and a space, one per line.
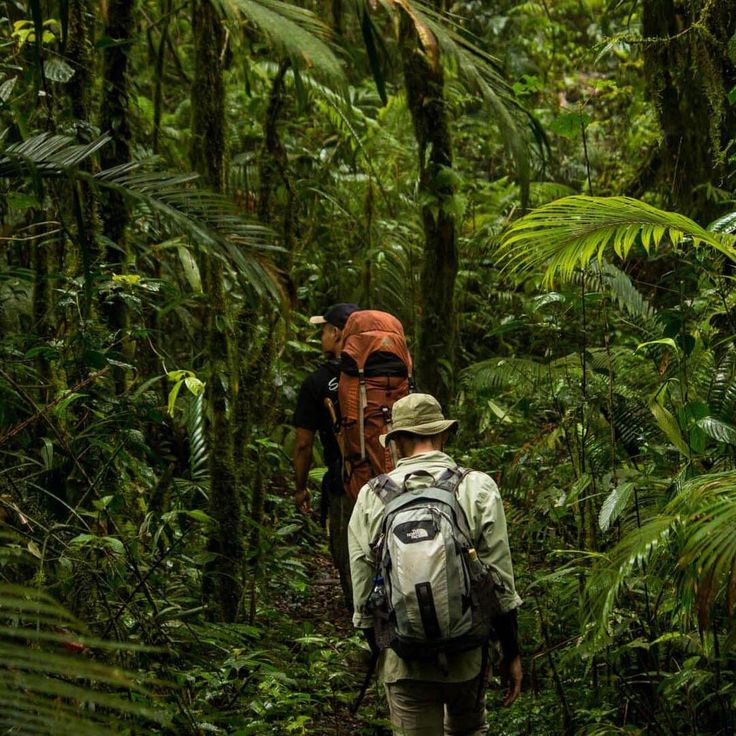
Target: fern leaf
(627, 296)
(46, 689)
(49, 154)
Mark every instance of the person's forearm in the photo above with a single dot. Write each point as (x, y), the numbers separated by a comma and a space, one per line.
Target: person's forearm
(507, 630)
(302, 461)
(302, 458)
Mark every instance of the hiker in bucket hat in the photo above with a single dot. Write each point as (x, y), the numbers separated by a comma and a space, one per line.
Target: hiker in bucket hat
(444, 695)
(312, 417)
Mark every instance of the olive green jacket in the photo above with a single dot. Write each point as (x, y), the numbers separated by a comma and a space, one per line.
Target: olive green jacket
(480, 500)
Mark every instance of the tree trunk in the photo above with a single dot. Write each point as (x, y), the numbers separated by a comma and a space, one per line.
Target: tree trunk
(79, 54)
(158, 81)
(424, 84)
(222, 582)
(689, 74)
(114, 111)
(274, 167)
(208, 97)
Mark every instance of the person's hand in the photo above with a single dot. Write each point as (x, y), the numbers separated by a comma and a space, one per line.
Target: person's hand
(303, 501)
(511, 675)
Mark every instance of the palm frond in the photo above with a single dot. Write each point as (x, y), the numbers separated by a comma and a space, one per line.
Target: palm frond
(617, 569)
(708, 555)
(296, 32)
(440, 33)
(691, 543)
(49, 683)
(631, 422)
(209, 220)
(46, 153)
(569, 233)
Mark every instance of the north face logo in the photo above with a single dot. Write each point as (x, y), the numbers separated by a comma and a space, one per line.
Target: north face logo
(411, 532)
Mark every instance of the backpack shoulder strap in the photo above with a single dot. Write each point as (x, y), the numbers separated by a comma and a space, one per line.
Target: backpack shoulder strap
(385, 488)
(450, 481)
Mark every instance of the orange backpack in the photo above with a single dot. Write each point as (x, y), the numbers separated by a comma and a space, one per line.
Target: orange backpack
(375, 371)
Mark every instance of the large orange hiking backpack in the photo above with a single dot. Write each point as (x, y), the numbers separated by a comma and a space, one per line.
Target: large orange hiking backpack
(375, 371)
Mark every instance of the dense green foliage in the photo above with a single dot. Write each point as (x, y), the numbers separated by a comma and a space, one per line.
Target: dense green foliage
(508, 178)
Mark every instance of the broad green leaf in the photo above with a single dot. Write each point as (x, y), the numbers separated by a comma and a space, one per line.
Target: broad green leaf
(668, 341)
(718, 430)
(668, 424)
(57, 70)
(614, 504)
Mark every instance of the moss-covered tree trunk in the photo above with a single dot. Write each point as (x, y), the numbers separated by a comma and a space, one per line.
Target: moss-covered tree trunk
(222, 581)
(689, 74)
(424, 84)
(84, 202)
(274, 168)
(158, 75)
(114, 119)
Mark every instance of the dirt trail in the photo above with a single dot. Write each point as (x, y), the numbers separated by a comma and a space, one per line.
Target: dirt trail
(326, 610)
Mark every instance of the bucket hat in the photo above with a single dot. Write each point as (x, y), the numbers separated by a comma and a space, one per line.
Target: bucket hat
(419, 414)
(336, 315)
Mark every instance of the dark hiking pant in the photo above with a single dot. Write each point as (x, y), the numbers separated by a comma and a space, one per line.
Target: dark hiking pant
(339, 508)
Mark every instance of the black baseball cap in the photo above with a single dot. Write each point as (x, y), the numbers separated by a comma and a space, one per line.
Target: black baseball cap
(336, 315)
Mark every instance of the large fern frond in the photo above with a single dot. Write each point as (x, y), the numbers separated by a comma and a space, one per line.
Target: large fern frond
(499, 374)
(209, 220)
(570, 232)
(196, 430)
(48, 682)
(722, 390)
(627, 296)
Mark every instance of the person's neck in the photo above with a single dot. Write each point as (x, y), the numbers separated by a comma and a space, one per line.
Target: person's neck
(424, 446)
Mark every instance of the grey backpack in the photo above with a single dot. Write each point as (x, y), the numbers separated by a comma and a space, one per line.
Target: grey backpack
(432, 595)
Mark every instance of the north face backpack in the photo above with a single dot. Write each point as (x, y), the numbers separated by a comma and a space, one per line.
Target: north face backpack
(432, 595)
(375, 371)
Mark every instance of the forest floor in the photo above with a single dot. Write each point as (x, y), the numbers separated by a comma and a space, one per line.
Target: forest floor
(323, 609)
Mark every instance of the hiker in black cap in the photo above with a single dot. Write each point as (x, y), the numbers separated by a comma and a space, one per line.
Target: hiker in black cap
(312, 416)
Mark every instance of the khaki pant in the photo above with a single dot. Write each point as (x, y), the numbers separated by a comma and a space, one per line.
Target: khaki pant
(436, 709)
(339, 510)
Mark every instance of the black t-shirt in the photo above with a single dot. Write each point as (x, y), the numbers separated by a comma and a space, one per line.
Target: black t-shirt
(311, 413)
